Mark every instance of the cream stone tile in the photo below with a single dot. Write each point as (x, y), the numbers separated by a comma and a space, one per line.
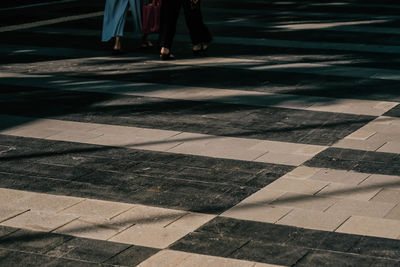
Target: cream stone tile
(66, 126)
(285, 159)
(361, 208)
(394, 214)
(310, 150)
(161, 236)
(228, 152)
(302, 172)
(257, 212)
(352, 106)
(371, 227)
(8, 213)
(116, 130)
(266, 265)
(361, 134)
(89, 229)
(242, 143)
(148, 236)
(286, 147)
(303, 201)
(311, 219)
(297, 186)
(340, 176)
(97, 208)
(157, 134)
(192, 138)
(382, 181)
(368, 145)
(171, 258)
(9, 196)
(32, 133)
(46, 202)
(167, 258)
(118, 140)
(39, 221)
(385, 106)
(190, 222)
(212, 261)
(262, 196)
(153, 144)
(150, 216)
(388, 196)
(392, 136)
(390, 147)
(348, 192)
(74, 136)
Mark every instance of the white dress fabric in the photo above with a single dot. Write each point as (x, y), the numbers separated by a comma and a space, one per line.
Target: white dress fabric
(115, 14)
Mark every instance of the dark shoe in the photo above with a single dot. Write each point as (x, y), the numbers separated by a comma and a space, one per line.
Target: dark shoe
(117, 52)
(168, 56)
(202, 51)
(146, 45)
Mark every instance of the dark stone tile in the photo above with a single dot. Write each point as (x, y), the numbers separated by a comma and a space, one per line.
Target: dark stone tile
(18, 258)
(209, 244)
(60, 262)
(199, 201)
(334, 259)
(357, 160)
(394, 112)
(306, 238)
(43, 170)
(91, 250)
(271, 253)
(377, 247)
(132, 256)
(4, 231)
(29, 241)
(263, 232)
(338, 242)
(379, 262)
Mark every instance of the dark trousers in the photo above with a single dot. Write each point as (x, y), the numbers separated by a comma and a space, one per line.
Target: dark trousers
(169, 16)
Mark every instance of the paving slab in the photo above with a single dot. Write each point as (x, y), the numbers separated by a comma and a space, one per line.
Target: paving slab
(39, 221)
(378, 227)
(339, 176)
(313, 220)
(97, 208)
(361, 208)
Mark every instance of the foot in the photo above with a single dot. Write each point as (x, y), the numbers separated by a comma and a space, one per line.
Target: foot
(117, 52)
(146, 44)
(199, 49)
(117, 46)
(165, 54)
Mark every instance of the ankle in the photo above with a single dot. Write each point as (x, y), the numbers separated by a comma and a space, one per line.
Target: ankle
(197, 47)
(164, 50)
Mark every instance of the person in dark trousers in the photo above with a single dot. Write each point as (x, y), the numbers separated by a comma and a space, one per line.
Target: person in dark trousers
(199, 33)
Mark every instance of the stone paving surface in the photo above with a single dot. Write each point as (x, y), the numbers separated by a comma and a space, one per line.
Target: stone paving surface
(281, 147)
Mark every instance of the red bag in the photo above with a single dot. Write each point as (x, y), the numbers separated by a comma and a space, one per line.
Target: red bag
(151, 17)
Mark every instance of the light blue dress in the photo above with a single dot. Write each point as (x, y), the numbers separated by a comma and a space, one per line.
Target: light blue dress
(115, 14)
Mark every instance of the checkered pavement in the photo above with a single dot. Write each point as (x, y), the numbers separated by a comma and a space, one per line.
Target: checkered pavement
(281, 148)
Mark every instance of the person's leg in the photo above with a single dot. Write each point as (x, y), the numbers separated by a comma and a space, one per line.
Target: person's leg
(115, 13)
(199, 33)
(169, 17)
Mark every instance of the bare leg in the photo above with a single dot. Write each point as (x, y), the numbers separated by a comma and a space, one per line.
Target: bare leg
(117, 45)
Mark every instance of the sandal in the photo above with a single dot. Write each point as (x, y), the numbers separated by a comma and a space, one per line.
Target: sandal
(146, 44)
(117, 52)
(201, 51)
(167, 56)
